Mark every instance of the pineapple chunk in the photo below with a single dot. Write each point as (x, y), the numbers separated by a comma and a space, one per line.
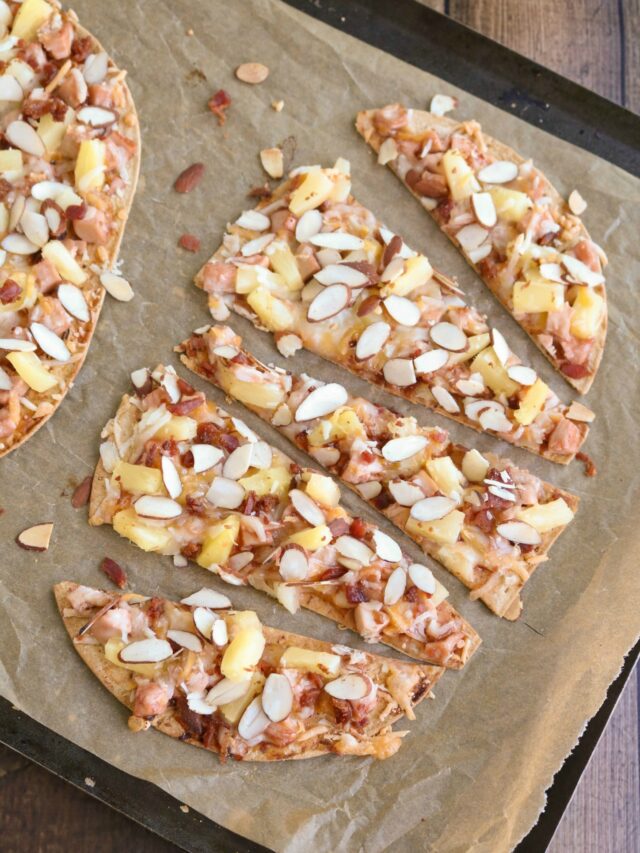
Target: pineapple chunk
(341, 187)
(272, 312)
(417, 271)
(288, 596)
(29, 367)
(30, 16)
(272, 481)
(232, 711)
(440, 594)
(532, 403)
(324, 490)
(218, 542)
(251, 276)
(460, 559)
(180, 428)
(534, 297)
(474, 466)
(240, 619)
(263, 396)
(312, 538)
(312, 192)
(57, 253)
(242, 654)
(51, 132)
(139, 478)
(544, 517)
(476, 344)
(445, 530)
(112, 650)
(322, 663)
(510, 205)
(343, 423)
(462, 182)
(4, 217)
(284, 263)
(10, 160)
(448, 478)
(127, 523)
(586, 313)
(495, 376)
(90, 165)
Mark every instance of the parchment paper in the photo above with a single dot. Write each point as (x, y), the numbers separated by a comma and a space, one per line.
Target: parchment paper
(473, 770)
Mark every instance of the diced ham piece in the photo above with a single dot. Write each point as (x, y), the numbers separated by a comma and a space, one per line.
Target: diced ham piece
(119, 147)
(219, 277)
(57, 42)
(565, 438)
(50, 313)
(83, 598)
(47, 275)
(586, 252)
(93, 227)
(100, 96)
(283, 220)
(151, 699)
(307, 262)
(73, 89)
(115, 623)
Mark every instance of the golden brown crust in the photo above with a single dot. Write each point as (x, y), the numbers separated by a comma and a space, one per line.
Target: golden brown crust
(119, 683)
(422, 121)
(69, 372)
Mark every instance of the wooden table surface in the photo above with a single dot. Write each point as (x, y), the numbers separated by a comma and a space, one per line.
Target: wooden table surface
(596, 42)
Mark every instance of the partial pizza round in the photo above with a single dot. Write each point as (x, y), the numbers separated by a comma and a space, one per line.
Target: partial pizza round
(68, 171)
(528, 244)
(218, 679)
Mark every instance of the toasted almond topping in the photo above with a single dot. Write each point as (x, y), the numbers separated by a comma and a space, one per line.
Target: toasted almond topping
(73, 301)
(395, 587)
(501, 491)
(578, 412)
(388, 151)
(226, 691)
(552, 272)
(500, 346)
(422, 577)
(146, 651)
(403, 310)
(252, 72)
(522, 374)
(442, 104)
(405, 494)
(431, 361)
(479, 254)
(369, 490)
(372, 339)
(35, 538)
(225, 493)
(254, 720)
(23, 136)
(354, 549)
(253, 220)
(445, 399)
(341, 274)
(17, 345)
(96, 116)
(186, 639)
(350, 687)
(116, 286)
(519, 532)
(257, 246)
(307, 507)
(238, 462)
(206, 597)
(580, 272)
(170, 477)
(153, 506)
(386, 548)
(484, 209)
(471, 236)
(400, 372)
(499, 172)
(293, 564)
(449, 337)
(322, 401)
(494, 419)
(277, 697)
(18, 244)
(431, 509)
(219, 633)
(308, 225)
(49, 342)
(339, 240)
(329, 302)
(272, 161)
(404, 447)
(474, 466)
(577, 205)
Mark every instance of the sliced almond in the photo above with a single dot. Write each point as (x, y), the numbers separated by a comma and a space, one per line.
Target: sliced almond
(471, 236)
(322, 401)
(577, 205)
(431, 509)
(199, 705)
(140, 378)
(369, 490)
(204, 619)
(578, 412)
(95, 68)
(206, 597)
(350, 688)
(23, 136)
(341, 274)
(329, 302)
(255, 247)
(405, 494)
(495, 420)
(186, 639)
(580, 272)
(96, 116)
(293, 564)
(372, 339)
(170, 477)
(35, 538)
(393, 270)
(449, 337)
(238, 462)
(395, 586)
(5, 381)
(252, 72)
(277, 697)
(404, 447)
(354, 549)
(431, 361)
(307, 508)
(308, 225)
(152, 650)
(422, 577)
(272, 160)
(35, 227)
(442, 104)
(219, 633)
(18, 244)
(474, 408)
(226, 691)
(225, 493)
(519, 532)
(117, 286)
(339, 240)
(153, 506)
(498, 172)
(501, 492)
(254, 720)
(522, 374)
(73, 301)
(205, 456)
(17, 345)
(328, 256)
(388, 151)
(261, 455)
(500, 346)
(479, 254)
(399, 372)
(49, 342)
(386, 547)
(484, 209)
(253, 220)
(326, 456)
(226, 351)
(552, 272)
(445, 399)
(10, 89)
(403, 310)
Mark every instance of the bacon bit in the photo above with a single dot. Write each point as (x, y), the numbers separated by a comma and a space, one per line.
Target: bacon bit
(411, 594)
(218, 103)
(185, 387)
(338, 527)
(383, 500)
(114, 572)
(189, 242)
(263, 191)
(186, 406)
(187, 459)
(358, 528)
(589, 465)
(189, 179)
(9, 291)
(80, 49)
(190, 550)
(356, 593)
(38, 107)
(331, 574)
(483, 519)
(573, 370)
(195, 505)
(343, 710)
(5, 188)
(76, 211)
(443, 210)
(192, 723)
(80, 496)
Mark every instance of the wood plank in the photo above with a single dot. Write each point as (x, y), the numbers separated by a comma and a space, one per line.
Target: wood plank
(631, 48)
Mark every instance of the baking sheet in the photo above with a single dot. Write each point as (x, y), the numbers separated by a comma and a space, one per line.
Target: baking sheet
(479, 757)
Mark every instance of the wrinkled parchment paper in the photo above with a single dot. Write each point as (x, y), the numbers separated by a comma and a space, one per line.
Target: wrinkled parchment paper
(473, 770)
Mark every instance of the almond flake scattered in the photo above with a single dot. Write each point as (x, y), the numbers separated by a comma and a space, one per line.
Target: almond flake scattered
(272, 161)
(117, 286)
(36, 538)
(252, 72)
(81, 493)
(442, 104)
(278, 106)
(577, 204)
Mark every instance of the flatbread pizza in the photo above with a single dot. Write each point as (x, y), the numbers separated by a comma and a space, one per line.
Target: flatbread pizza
(529, 245)
(218, 679)
(319, 271)
(487, 521)
(179, 476)
(69, 169)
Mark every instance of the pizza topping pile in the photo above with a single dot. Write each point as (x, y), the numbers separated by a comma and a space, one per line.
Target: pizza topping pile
(233, 685)
(485, 519)
(528, 245)
(191, 480)
(69, 141)
(316, 268)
